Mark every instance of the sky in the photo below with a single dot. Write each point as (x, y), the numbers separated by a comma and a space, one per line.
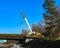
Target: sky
(12, 22)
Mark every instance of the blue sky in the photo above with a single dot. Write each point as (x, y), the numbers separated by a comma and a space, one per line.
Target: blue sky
(10, 17)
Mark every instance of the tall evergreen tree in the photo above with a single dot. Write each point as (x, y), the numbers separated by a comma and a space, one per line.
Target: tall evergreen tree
(50, 16)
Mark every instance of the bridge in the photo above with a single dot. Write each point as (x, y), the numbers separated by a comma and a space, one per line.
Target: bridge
(18, 37)
(14, 36)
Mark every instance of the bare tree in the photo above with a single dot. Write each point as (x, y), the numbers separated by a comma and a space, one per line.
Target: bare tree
(24, 31)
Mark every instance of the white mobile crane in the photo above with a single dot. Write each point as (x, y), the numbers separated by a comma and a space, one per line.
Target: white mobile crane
(30, 30)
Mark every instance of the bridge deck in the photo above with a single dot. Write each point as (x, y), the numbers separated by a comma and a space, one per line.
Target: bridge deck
(12, 36)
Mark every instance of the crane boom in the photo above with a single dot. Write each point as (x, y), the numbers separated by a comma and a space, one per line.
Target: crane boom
(29, 33)
(27, 23)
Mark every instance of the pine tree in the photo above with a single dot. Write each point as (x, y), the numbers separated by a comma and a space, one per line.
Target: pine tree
(50, 16)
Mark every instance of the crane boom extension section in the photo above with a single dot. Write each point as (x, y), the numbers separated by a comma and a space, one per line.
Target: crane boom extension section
(27, 23)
